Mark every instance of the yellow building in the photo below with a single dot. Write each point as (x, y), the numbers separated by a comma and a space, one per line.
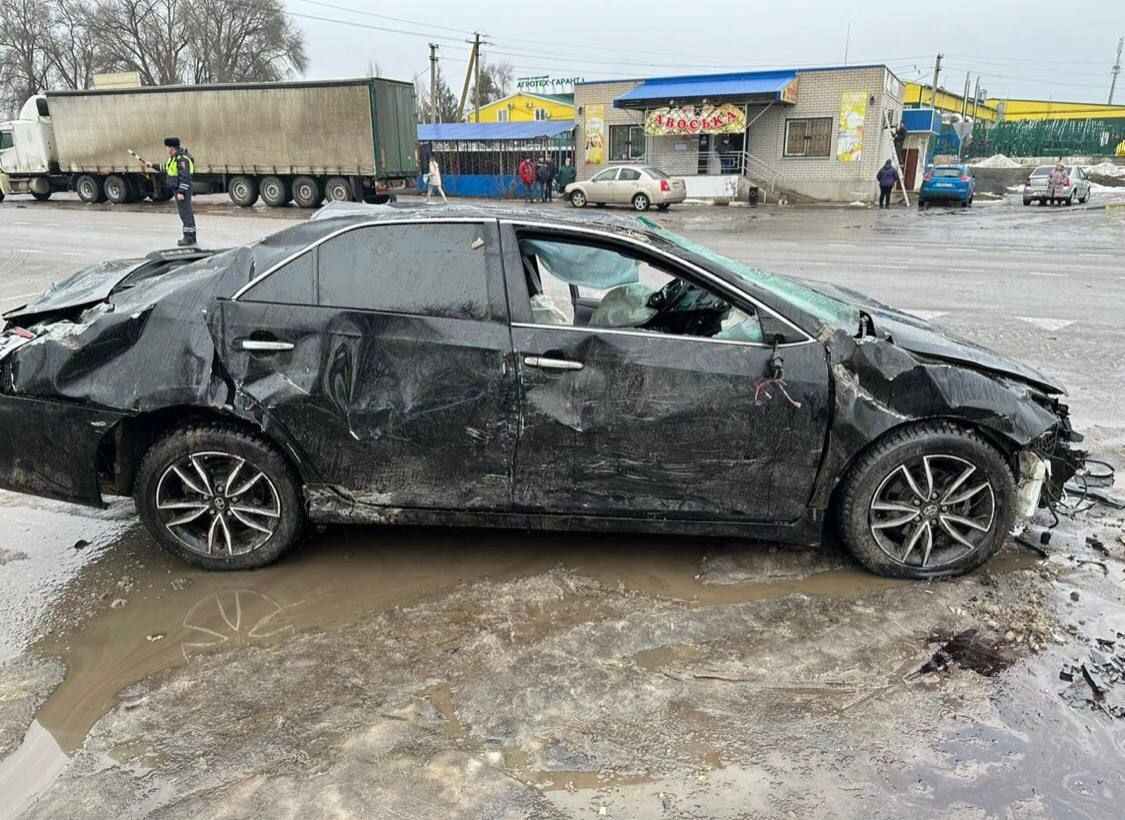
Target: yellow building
(917, 95)
(1012, 110)
(525, 107)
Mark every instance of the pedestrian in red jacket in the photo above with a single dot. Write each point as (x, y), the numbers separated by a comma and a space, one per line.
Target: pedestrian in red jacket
(527, 177)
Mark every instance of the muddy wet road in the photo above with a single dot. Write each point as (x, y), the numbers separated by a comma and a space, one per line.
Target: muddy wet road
(419, 673)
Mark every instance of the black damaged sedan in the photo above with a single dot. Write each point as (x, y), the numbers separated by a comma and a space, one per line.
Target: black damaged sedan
(509, 368)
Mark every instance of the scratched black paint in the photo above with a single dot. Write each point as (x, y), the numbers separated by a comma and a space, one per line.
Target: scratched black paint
(407, 418)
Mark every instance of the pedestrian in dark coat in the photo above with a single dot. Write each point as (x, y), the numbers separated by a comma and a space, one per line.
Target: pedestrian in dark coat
(887, 179)
(177, 176)
(546, 176)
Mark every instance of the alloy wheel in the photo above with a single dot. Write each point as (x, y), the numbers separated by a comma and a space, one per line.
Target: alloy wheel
(932, 511)
(218, 504)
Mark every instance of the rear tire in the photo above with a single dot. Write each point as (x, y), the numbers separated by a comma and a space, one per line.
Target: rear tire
(117, 189)
(306, 192)
(275, 499)
(641, 202)
(877, 493)
(243, 191)
(90, 189)
(338, 189)
(274, 191)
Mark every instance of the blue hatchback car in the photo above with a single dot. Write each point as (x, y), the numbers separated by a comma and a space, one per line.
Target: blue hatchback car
(947, 183)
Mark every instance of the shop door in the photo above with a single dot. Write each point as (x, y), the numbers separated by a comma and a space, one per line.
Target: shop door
(910, 168)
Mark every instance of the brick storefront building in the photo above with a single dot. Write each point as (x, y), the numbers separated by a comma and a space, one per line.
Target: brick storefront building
(813, 132)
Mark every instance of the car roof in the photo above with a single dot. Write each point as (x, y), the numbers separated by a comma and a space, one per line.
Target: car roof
(337, 215)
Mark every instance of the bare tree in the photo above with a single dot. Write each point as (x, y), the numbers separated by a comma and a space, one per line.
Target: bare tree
(73, 48)
(147, 36)
(446, 100)
(25, 63)
(234, 41)
(495, 82)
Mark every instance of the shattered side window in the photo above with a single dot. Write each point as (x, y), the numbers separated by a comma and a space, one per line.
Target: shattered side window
(827, 309)
(586, 285)
(293, 284)
(425, 269)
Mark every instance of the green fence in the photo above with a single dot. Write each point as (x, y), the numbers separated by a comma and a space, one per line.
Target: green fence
(1047, 138)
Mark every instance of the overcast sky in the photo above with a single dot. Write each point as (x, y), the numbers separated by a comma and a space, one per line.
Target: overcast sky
(1021, 48)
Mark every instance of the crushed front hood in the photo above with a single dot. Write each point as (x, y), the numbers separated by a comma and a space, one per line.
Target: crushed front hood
(94, 284)
(919, 336)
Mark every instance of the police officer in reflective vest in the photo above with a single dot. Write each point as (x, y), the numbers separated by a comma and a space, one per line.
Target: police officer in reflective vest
(177, 176)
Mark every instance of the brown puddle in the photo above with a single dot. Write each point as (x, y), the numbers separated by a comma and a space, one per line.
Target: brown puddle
(174, 612)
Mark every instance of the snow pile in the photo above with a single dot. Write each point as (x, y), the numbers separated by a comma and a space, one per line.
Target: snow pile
(997, 161)
(1106, 169)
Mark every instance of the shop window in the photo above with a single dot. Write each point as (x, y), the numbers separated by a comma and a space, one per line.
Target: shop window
(626, 143)
(502, 115)
(808, 137)
(541, 114)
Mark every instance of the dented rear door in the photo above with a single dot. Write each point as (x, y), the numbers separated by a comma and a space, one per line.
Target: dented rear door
(383, 355)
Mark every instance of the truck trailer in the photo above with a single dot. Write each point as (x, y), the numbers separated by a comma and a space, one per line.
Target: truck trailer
(300, 142)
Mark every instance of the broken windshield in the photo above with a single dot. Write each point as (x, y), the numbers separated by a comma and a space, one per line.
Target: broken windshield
(827, 309)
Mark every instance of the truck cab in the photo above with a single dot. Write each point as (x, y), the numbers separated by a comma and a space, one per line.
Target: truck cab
(27, 149)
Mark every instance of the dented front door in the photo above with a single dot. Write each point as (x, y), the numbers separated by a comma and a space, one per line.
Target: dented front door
(620, 423)
(391, 377)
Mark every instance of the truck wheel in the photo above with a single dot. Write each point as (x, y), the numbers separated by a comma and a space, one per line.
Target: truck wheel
(90, 189)
(219, 498)
(1, 196)
(136, 188)
(243, 191)
(116, 189)
(274, 191)
(926, 501)
(338, 189)
(39, 197)
(306, 192)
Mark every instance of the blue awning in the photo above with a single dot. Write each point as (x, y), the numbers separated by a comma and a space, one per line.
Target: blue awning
(754, 86)
(478, 132)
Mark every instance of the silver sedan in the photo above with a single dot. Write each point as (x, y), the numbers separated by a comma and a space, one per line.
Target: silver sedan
(640, 186)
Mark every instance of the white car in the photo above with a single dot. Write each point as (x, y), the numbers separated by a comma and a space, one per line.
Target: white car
(1037, 187)
(640, 186)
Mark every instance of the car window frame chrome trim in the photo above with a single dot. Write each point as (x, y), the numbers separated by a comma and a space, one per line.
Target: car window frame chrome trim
(722, 284)
(352, 227)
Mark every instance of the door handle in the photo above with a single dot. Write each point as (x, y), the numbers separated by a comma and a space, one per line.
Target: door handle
(552, 364)
(264, 346)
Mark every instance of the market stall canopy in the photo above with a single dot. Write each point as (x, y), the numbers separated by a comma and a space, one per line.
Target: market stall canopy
(481, 132)
(746, 87)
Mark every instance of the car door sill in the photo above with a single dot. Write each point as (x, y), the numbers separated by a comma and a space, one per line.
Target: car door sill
(328, 505)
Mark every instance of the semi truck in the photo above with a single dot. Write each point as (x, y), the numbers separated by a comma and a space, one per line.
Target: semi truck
(300, 142)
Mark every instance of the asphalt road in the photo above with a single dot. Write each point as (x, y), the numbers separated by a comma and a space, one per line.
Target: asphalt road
(473, 674)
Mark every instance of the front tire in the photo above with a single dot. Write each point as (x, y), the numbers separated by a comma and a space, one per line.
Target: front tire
(641, 202)
(927, 501)
(578, 199)
(219, 498)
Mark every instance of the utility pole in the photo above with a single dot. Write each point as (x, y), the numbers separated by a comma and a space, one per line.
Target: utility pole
(472, 70)
(965, 97)
(847, 42)
(1116, 70)
(937, 73)
(433, 83)
(976, 98)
